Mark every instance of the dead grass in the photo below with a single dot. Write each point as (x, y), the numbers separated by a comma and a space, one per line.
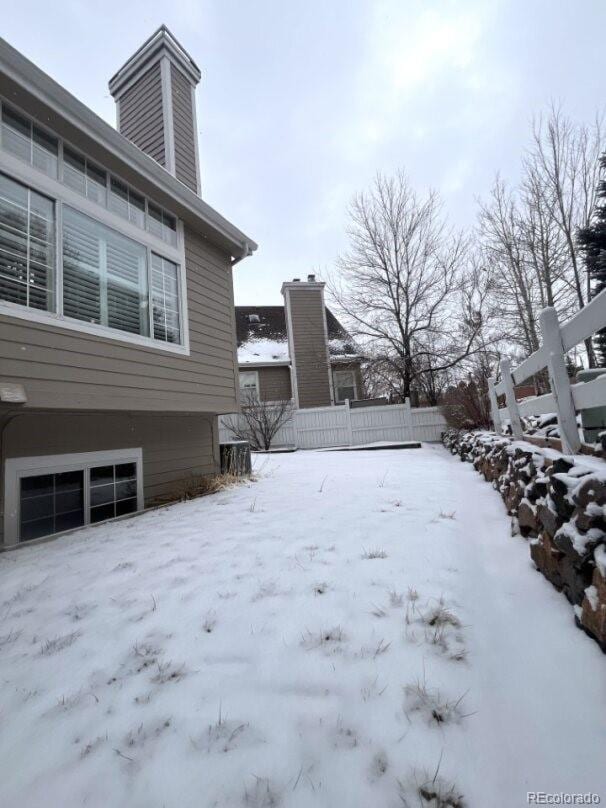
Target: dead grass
(373, 552)
(263, 794)
(436, 709)
(327, 638)
(201, 486)
(429, 790)
(57, 644)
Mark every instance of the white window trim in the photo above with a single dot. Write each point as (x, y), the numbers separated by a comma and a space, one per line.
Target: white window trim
(335, 374)
(18, 467)
(244, 389)
(62, 195)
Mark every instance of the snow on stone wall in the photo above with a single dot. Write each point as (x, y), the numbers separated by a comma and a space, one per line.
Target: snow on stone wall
(558, 502)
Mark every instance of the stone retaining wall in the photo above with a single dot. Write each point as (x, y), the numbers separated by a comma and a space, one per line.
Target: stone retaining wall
(559, 504)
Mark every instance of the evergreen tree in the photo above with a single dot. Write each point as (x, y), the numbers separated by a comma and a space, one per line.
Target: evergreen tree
(592, 240)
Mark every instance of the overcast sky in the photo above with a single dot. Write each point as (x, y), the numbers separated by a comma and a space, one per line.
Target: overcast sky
(302, 101)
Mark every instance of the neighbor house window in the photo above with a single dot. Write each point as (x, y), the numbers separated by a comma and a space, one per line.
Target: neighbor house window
(83, 176)
(165, 300)
(104, 276)
(345, 385)
(21, 137)
(27, 246)
(249, 384)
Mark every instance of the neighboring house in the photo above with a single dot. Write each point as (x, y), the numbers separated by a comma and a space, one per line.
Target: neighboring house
(298, 350)
(117, 330)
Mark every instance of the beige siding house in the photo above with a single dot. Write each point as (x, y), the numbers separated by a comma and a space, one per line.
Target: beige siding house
(117, 328)
(297, 351)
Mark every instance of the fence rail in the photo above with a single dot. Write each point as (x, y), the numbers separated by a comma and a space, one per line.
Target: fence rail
(565, 399)
(323, 427)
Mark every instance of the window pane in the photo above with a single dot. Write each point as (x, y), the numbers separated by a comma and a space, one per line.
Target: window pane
(74, 170)
(154, 220)
(126, 471)
(118, 198)
(27, 246)
(102, 512)
(44, 152)
(126, 506)
(81, 268)
(101, 494)
(102, 475)
(136, 210)
(165, 300)
(126, 490)
(50, 503)
(169, 229)
(16, 134)
(96, 183)
(105, 275)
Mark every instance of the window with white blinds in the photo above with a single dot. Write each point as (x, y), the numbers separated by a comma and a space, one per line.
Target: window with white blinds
(104, 276)
(27, 246)
(165, 300)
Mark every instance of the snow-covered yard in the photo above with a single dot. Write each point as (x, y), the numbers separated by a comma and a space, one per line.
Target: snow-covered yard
(331, 635)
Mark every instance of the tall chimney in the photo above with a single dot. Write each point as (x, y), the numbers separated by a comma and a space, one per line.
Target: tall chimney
(156, 105)
(308, 342)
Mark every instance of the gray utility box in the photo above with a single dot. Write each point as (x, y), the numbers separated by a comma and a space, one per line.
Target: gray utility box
(594, 419)
(235, 458)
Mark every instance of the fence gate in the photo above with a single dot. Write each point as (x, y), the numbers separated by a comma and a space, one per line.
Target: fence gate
(323, 427)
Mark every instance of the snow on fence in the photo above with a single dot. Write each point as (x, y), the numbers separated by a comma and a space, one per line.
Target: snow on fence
(322, 427)
(565, 399)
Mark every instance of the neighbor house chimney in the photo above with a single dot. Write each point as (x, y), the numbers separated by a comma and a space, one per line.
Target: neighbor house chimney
(308, 342)
(156, 105)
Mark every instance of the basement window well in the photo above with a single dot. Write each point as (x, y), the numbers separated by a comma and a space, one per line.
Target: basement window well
(51, 494)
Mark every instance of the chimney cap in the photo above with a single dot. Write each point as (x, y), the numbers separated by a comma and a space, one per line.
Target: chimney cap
(162, 40)
(311, 278)
(296, 280)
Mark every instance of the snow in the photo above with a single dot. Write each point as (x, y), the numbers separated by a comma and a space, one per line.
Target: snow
(326, 636)
(263, 350)
(600, 559)
(591, 594)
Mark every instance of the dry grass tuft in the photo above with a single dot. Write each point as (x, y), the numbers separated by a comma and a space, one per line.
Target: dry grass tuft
(432, 706)
(373, 552)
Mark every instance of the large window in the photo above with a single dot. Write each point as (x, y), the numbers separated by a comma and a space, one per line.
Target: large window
(29, 142)
(104, 276)
(23, 138)
(27, 246)
(345, 385)
(53, 493)
(165, 300)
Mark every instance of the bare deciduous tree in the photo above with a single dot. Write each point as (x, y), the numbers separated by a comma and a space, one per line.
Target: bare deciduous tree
(403, 284)
(259, 421)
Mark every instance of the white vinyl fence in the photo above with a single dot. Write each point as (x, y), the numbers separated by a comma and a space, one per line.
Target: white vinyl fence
(323, 427)
(565, 399)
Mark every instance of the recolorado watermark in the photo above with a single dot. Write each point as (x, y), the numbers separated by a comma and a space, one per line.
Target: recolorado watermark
(561, 798)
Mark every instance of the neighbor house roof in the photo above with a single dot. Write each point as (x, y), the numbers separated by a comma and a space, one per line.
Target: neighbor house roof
(262, 338)
(24, 76)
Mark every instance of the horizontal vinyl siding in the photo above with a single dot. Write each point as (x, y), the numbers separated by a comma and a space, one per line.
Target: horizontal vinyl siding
(183, 129)
(141, 114)
(309, 340)
(176, 448)
(66, 369)
(274, 384)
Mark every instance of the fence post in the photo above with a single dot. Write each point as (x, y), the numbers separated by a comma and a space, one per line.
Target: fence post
(510, 400)
(294, 429)
(348, 422)
(558, 378)
(494, 406)
(407, 420)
